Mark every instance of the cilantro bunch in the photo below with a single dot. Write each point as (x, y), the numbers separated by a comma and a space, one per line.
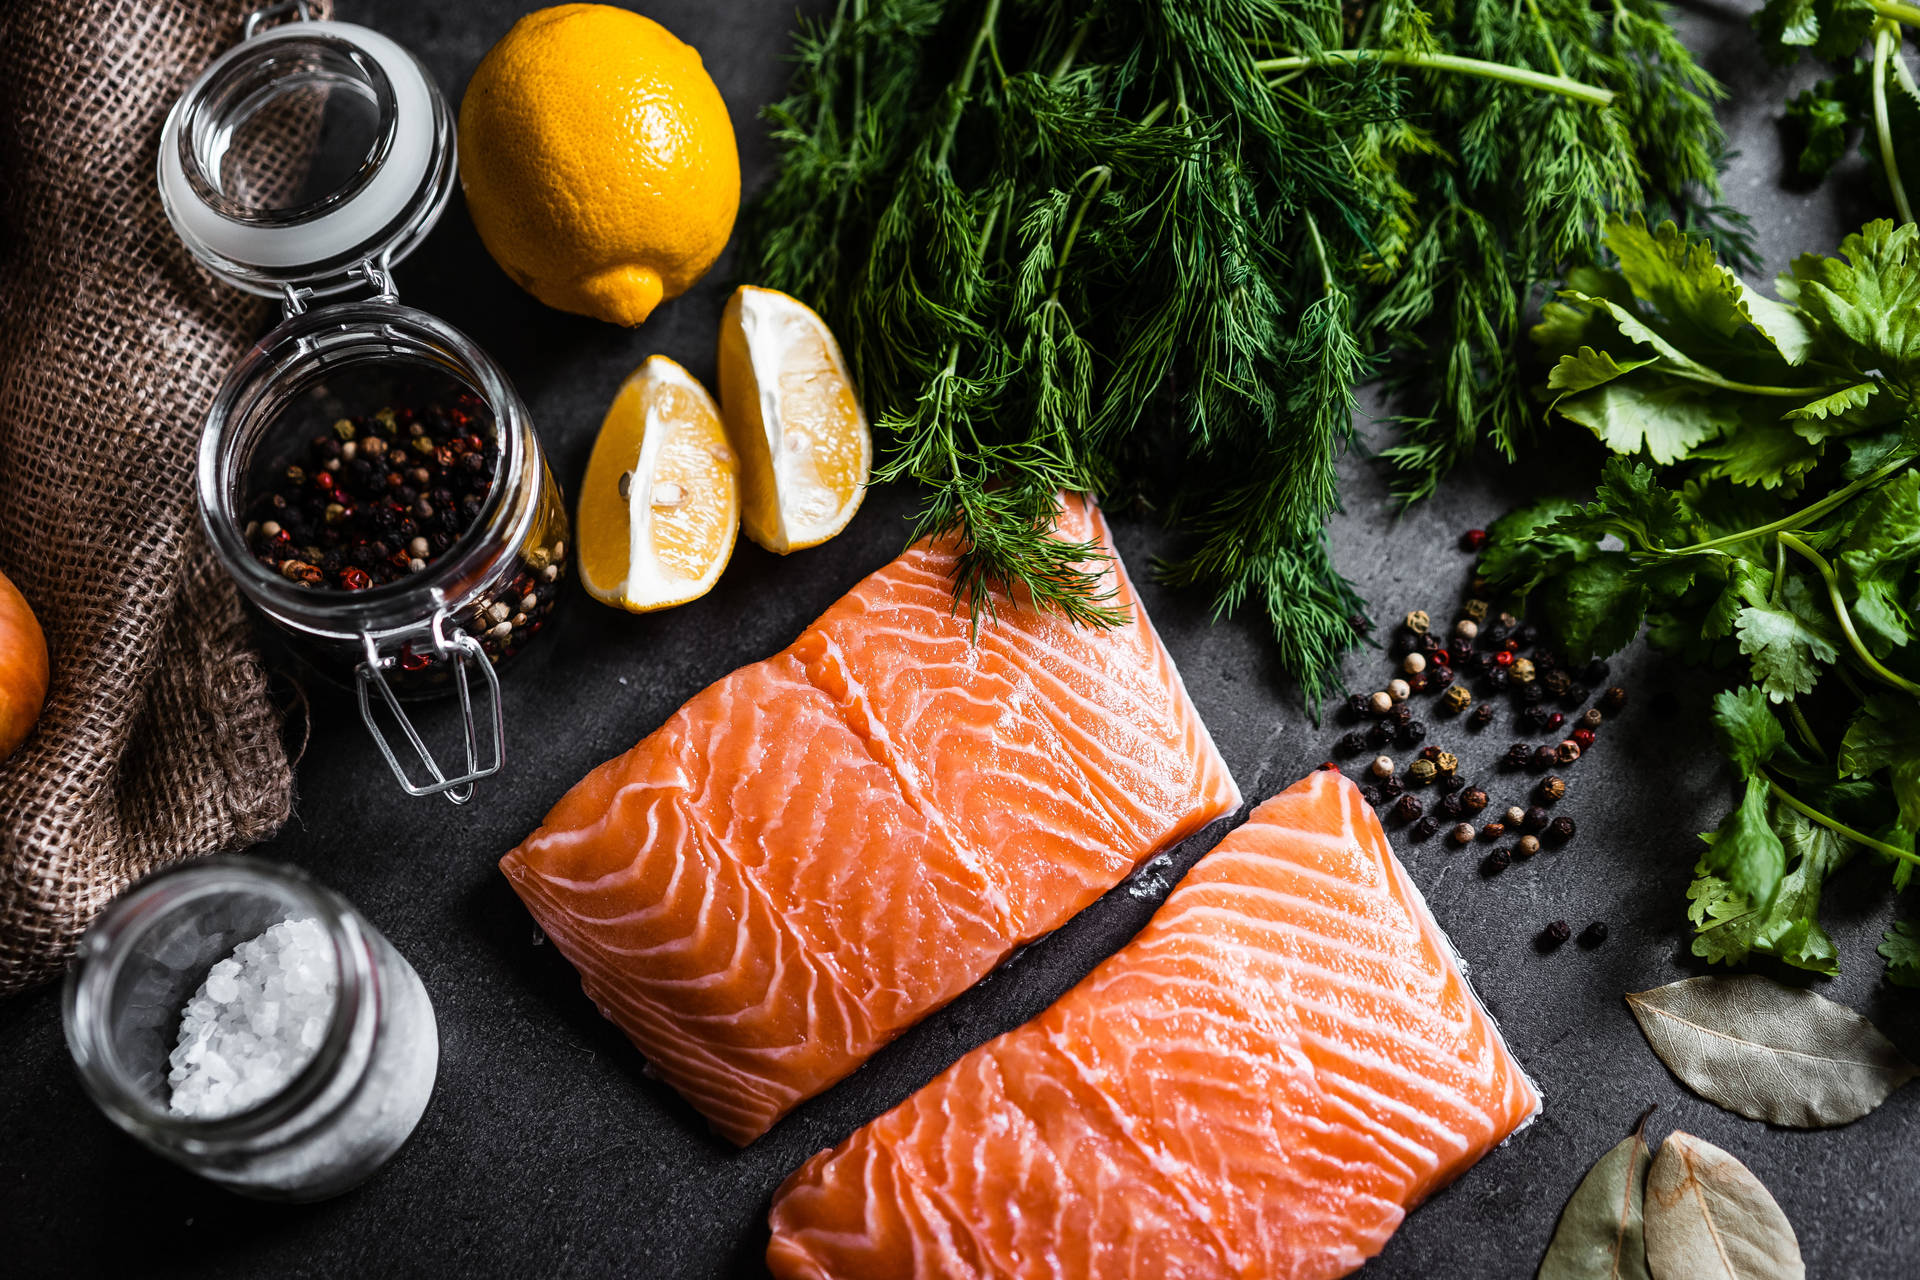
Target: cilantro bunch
(1760, 512)
(1872, 93)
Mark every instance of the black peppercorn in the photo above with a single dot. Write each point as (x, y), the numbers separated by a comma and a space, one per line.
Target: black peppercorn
(1407, 808)
(1544, 757)
(1545, 659)
(1613, 701)
(1429, 645)
(1430, 753)
(1411, 732)
(1574, 696)
(1532, 694)
(1371, 795)
(1555, 934)
(1377, 736)
(1561, 828)
(1526, 633)
(1452, 781)
(1497, 861)
(1556, 682)
(1401, 715)
(1498, 678)
(1473, 799)
(1450, 806)
(1595, 672)
(1535, 819)
(1594, 934)
(1416, 682)
(1482, 715)
(1591, 718)
(1535, 718)
(1519, 755)
(1459, 647)
(1550, 790)
(1357, 706)
(1391, 785)
(1424, 829)
(1351, 744)
(1439, 677)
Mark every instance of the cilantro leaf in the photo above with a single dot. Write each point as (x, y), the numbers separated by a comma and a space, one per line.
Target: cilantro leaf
(1869, 296)
(1748, 731)
(1523, 547)
(1745, 851)
(1884, 734)
(1665, 418)
(1587, 368)
(1825, 122)
(1594, 606)
(1770, 454)
(1787, 26)
(1901, 947)
(1839, 406)
(1875, 563)
(1786, 642)
(1729, 926)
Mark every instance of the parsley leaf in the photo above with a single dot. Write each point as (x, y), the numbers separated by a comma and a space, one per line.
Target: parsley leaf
(1901, 947)
(1784, 643)
(1745, 725)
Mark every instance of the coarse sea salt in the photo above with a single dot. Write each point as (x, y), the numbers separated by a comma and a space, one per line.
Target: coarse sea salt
(255, 1022)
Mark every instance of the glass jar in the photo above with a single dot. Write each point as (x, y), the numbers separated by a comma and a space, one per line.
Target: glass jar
(338, 1119)
(381, 171)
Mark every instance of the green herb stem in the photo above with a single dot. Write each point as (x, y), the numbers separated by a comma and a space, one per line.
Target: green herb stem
(1804, 729)
(1712, 379)
(1832, 579)
(1886, 39)
(1897, 12)
(1838, 827)
(965, 82)
(1500, 71)
(1540, 24)
(1806, 515)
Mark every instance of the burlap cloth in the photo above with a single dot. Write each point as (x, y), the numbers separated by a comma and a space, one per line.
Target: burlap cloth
(158, 742)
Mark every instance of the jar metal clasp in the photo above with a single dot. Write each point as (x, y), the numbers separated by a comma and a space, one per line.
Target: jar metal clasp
(457, 648)
(267, 13)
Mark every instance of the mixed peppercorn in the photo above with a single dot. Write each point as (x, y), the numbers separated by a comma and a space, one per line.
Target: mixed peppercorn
(1502, 655)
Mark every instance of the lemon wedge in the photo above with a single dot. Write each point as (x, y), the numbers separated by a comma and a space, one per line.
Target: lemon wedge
(660, 507)
(792, 415)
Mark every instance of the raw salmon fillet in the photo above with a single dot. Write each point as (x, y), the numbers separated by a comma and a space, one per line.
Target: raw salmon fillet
(1261, 1084)
(824, 847)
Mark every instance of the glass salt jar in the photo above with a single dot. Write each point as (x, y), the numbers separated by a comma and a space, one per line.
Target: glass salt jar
(339, 1118)
(380, 171)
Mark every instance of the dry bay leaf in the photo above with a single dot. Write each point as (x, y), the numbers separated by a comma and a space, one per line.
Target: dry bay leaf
(1601, 1235)
(1709, 1218)
(1770, 1052)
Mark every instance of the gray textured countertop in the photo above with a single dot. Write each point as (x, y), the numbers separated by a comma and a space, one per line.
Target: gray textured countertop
(547, 1150)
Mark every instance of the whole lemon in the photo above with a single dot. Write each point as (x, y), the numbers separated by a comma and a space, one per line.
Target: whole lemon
(598, 161)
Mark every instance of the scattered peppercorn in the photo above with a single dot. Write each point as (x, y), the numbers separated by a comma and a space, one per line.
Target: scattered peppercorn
(1439, 677)
(1371, 795)
(1417, 682)
(1496, 862)
(1382, 766)
(1561, 828)
(1447, 762)
(1438, 654)
(1379, 735)
(1556, 683)
(1550, 790)
(1418, 622)
(1555, 934)
(1350, 744)
(1431, 645)
(1592, 718)
(1613, 701)
(1545, 757)
(1414, 663)
(1527, 846)
(1535, 819)
(1357, 705)
(1459, 647)
(1466, 629)
(1583, 738)
(1522, 670)
(1452, 781)
(1450, 806)
(1595, 672)
(1534, 718)
(1514, 815)
(1532, 694)
(1461, 834)
(1519, 755)
(1474, 609)
(1497, 676)
(1526, 633)
(1411, 732)
(1425, 828)
(1407, 808)
(1392, 786)
(1401, 715)
(1473, 799)
(1399, 690)
(1555, 719)
(1494, 830)
(1421, 773)
(1594, 934)
(1456, 699)
(1380, 703)
(1483, 715)
(1473, 540)
(1430, 753)
(1568, 751)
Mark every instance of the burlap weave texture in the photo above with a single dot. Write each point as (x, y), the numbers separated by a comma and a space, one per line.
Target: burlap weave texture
(158, 742)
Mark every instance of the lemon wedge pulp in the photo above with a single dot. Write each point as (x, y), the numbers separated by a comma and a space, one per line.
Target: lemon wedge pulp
(660, 507)
(794, 420)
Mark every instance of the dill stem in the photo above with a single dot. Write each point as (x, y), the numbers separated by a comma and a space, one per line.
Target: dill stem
(859, 107)
(1803, 516)
(965, 82)
(1836, 826)
(1522, 76)
(1320, 253)
(1897, 12)
(1828, 576)
(1886, 39)
(1072, 52)
(1100, 176)
(1559, 68)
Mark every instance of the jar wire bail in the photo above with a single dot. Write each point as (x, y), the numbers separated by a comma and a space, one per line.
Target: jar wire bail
(457, 648)
(260, 17)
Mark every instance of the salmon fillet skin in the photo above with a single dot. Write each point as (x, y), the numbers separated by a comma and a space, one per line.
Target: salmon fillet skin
(822, 848)
(1261, 1084)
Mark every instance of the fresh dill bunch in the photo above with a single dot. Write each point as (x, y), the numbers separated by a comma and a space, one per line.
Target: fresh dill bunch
(1154, 246)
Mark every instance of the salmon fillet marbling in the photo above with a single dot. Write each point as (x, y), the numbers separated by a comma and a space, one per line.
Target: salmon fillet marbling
(1261, 1084)
(825, 846)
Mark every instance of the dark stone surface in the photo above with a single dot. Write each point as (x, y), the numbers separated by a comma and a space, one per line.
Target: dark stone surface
(549, 1151)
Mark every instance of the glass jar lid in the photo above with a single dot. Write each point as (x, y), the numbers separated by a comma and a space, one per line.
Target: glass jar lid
(307, 159)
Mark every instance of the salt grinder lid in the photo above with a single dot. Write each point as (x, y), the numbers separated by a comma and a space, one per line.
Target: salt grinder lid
(307, 159)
